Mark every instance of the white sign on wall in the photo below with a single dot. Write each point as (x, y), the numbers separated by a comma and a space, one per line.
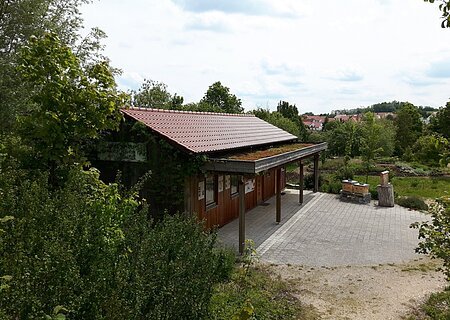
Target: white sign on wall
(122, 151)
(249, 185)
(201, 190)
(220, 182)
(227, 182)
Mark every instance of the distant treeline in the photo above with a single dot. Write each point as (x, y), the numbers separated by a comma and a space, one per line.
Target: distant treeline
(386, 107)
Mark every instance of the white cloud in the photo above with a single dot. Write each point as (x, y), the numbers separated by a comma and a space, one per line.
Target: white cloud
(320, 55)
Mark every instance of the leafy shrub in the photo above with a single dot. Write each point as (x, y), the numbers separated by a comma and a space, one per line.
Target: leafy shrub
(177, 265)
(332, 164)
(438, 305)
(61, 246)
(373, 193)
(427, 150)
(257, 296)
(412, 202)
(345, 172)
(331, 187)
(89, 248)
(407, 154)
(436, 241)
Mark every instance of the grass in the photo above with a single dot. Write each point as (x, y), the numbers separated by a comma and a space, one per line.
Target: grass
(260, 293)
(424, 187)
(437, 307)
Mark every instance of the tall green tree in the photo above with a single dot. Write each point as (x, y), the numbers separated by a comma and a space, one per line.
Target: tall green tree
(153, 94)
(440, 123)
(372, 141)
(444, 7)
(430, 149)
(343, 138)
(290, 112)
(220, 97)
(19, 20)
(278, 120)
(72, 104)
(408, 127)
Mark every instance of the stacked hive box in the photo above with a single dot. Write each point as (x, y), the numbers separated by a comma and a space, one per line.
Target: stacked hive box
(351, 189)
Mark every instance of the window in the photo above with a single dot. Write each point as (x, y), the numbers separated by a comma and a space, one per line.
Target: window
(211, 190)
(234, 185)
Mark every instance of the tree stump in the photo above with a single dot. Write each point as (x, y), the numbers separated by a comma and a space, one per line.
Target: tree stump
(385, 195)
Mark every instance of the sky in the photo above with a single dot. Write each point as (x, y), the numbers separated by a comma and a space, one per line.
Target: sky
(319, 55)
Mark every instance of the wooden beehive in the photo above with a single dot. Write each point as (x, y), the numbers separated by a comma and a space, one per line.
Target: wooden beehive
(384, 177)
(347, 185)
(361, 188)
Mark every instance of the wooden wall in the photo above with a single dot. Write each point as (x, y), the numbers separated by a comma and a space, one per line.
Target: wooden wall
(226, 208)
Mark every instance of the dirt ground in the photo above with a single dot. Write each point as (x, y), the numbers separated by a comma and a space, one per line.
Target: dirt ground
(358, 292)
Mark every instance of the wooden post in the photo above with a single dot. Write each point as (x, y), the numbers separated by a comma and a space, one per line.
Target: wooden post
(385, 191)
(300, 182)
(241, 189)
(385, 195)
(316, 172)
(278, 190)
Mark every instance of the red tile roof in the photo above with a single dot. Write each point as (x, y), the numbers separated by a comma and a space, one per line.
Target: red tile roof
(202, 132)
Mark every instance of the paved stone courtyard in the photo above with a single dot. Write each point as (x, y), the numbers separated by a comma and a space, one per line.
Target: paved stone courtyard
(325, 231)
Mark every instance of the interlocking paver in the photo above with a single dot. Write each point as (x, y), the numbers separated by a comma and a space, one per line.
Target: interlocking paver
(325, 231)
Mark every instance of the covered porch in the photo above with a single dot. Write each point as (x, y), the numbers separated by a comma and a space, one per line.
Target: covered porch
(260, 224)
(253, 163)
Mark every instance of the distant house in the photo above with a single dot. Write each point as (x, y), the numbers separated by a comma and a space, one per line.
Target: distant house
(213, 165)
(345, 117)
(385, 115)
(428, 119)
(314, 123)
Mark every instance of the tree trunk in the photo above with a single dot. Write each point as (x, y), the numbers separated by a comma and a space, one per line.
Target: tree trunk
(385, 195)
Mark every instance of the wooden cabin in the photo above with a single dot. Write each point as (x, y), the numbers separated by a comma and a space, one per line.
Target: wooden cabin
(241, 161)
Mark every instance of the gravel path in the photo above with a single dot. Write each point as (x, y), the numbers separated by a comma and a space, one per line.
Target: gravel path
(364, 292)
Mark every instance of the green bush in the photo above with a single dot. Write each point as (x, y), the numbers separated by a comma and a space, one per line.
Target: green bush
(62, 247)
(427, 150)
(89, 248)
(412, 203)
(258, 295)
(331, 187)
(344, 173)
(177, 265)
(437, 306)
(373, 193)
(436, 241)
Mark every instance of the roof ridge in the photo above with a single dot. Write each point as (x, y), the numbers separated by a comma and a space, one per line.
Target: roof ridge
(189, 112)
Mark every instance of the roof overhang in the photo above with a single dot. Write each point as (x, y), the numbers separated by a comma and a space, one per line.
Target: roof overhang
(256, 166)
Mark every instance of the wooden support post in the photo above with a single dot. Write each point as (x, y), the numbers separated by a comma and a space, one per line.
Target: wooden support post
(300, 182)
(241, 189)
(385, 195)
(278, 190)
(316, 172)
